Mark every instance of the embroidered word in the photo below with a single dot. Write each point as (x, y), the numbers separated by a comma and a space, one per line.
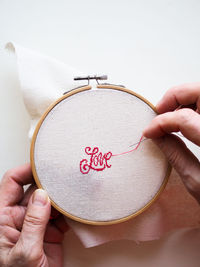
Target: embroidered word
(97, 162)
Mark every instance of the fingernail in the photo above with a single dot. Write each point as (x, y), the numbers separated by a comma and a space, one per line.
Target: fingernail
(40, 197)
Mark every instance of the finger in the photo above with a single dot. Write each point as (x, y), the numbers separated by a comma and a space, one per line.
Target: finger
(184, 162)
(185, 120)
(14, 216)
(34, 226)
(11, 216)
(18, 214)
(11, 187)
(27, 195)
(9, 234)
(185, 94)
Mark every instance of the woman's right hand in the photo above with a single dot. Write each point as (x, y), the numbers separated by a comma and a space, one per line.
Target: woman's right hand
(177, 115)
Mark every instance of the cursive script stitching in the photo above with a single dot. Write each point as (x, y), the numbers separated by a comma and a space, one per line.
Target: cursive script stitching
(99, 162)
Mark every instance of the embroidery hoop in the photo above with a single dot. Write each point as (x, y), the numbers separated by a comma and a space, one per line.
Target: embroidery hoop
(37, 180)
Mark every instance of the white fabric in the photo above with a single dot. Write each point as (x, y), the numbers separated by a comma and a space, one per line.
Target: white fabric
(43, 80)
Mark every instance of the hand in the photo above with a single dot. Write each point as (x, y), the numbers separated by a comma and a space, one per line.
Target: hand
(27, 237)
(179, 109)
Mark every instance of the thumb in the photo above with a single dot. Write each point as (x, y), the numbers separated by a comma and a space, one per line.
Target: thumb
(35, 221)
(183, 161)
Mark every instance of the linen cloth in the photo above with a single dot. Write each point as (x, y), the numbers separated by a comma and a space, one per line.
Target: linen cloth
(43, 80)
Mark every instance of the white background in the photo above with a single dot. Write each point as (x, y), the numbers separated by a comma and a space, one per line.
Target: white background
(148, 46)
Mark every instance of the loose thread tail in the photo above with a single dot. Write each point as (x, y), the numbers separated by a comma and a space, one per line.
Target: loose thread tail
(137, 145)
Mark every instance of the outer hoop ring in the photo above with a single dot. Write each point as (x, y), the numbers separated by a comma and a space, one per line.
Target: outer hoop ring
(36, 178)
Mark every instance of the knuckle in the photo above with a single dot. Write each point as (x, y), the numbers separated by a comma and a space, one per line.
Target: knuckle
(5, 219)
(172, 90)
(31, 219)
(160, 121)
(174, 158)
(3, 230)
(185, 115)
(8, 173)
(178, 88)
(157, 119)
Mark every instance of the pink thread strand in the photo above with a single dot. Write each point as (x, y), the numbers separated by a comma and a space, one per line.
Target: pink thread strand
(131, 149)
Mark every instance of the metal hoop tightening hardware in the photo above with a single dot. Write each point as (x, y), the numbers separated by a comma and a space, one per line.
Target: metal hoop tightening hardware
(97, 78)
(91, 77)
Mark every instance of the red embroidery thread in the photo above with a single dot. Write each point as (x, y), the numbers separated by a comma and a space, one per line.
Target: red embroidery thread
(99, 162)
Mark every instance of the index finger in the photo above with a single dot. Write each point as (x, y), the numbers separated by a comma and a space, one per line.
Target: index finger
(11, 186)
(185, 94)
(184, 120)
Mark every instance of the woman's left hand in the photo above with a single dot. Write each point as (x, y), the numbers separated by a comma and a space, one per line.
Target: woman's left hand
(27, 237)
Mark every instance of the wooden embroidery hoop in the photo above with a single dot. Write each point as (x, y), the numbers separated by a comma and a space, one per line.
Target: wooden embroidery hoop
(37, 180)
